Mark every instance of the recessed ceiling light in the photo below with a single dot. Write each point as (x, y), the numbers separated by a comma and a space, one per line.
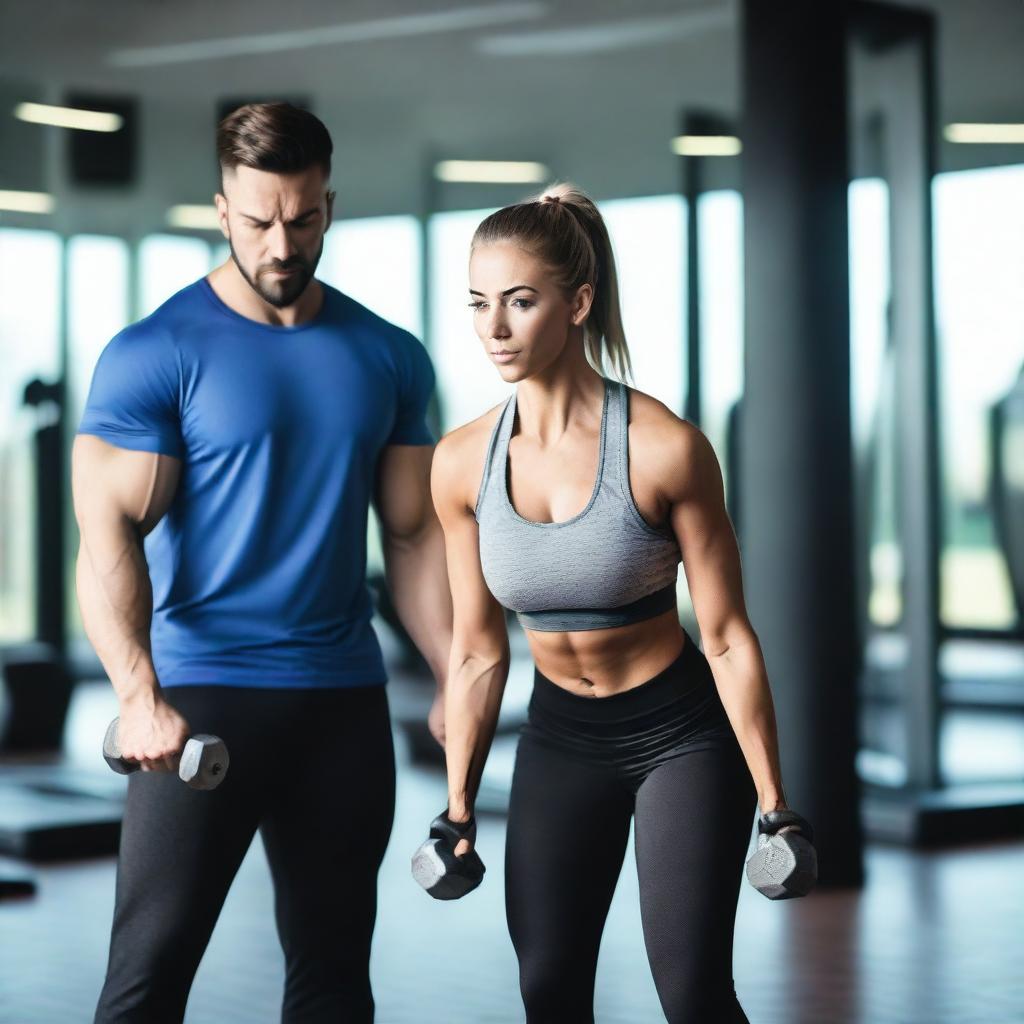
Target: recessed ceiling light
(193, 217)
(68, 117)
(511, 172)
(707, 145)
(982, 133)
(27, 202)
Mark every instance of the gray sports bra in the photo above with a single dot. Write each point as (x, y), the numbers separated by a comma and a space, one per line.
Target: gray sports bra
(604, 567)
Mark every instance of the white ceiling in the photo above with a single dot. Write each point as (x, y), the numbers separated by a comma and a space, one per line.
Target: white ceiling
(405, 51)
(594, 86)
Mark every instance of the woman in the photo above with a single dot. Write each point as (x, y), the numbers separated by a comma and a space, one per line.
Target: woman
(572, 503)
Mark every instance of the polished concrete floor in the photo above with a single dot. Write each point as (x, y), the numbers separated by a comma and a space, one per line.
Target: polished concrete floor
(933, 938)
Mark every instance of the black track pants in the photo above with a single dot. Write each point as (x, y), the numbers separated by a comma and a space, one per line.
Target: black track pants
(314, 771)
(663, 754)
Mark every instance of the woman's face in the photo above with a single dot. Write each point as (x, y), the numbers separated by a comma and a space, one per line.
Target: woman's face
(520, 315)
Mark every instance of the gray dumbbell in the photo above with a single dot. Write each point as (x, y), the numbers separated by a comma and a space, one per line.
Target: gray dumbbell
(438, 870)
(785, 865)
(202, 765)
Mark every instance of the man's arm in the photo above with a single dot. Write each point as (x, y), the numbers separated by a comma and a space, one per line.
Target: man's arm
(414, 560)
(119, 496)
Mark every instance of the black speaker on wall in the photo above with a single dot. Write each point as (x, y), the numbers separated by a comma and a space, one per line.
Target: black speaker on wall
(103, 158)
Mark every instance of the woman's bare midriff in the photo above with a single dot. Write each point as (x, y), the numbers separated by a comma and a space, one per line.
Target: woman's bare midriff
(602, 662)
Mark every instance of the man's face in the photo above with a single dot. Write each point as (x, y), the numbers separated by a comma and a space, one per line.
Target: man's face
(275, 225)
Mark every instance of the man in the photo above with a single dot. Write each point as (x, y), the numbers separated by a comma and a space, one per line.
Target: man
(243, 429)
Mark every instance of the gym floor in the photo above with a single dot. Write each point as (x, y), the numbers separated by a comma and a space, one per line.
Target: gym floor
(932, 938)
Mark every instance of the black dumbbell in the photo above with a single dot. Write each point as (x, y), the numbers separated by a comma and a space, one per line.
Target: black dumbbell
(438, 870)
(202, 765)
(785, 864)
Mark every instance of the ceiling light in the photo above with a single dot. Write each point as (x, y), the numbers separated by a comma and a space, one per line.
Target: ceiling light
(510, 172)
(27, 202)
(194, 218)
(991, 133)
(707, 145)
(610, 35)
(68, 117)
(397, 27)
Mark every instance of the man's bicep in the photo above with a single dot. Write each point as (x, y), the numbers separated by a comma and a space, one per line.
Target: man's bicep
(109, 482)
(402, 492)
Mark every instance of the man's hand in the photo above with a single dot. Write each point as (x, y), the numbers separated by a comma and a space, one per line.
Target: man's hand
(153, 734)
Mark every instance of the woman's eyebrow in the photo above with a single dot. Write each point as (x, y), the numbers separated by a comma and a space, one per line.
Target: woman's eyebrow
(509, 291)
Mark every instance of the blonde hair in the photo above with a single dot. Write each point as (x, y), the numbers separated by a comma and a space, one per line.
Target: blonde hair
(562, 227)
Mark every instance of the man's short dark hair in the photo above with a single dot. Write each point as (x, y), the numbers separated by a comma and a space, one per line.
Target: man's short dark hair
(274, 137)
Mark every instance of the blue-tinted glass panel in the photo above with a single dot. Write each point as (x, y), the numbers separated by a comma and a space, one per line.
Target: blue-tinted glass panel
(649, 239)
(720, 280)
(30, 312)
(468, 382)
(167, 263)
(377, 260)
(98, 307)
(979, 268)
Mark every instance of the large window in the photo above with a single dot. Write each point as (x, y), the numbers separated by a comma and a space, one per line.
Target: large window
(979, 270)
(167, 263)
(30, 314)
(720, 234)
(649, 239)
(468, 384)
(377, 261)
(720, 223)
(98, 307)
(872, 400)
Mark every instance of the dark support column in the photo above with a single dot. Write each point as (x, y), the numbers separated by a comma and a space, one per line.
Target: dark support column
(692, 185)
(51, 625)
(796, 460)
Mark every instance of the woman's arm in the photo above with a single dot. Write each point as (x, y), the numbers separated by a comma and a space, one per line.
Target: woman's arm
(712, 564)
(479, 661)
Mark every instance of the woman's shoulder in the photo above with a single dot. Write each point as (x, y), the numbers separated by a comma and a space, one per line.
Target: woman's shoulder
(665, 449)
(460, 455)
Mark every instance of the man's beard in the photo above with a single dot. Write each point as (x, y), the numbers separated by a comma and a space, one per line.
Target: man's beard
(280, 292)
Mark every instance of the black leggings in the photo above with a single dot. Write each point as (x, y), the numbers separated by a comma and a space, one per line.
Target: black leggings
(314, 772)
(664, 753)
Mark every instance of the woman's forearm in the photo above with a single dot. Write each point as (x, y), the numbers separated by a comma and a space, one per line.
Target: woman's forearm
(471, 705)
(742, 682)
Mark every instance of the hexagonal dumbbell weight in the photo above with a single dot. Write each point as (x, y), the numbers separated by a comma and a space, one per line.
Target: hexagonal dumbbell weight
(202, 765)
(438, 870)
(785, 864)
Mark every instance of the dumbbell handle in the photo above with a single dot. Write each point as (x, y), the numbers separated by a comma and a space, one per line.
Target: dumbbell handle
(453, 832)
(203, 761)
(112, 751)
(774, 821)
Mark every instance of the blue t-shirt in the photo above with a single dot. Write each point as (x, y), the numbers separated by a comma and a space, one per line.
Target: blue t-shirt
(258, 568)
